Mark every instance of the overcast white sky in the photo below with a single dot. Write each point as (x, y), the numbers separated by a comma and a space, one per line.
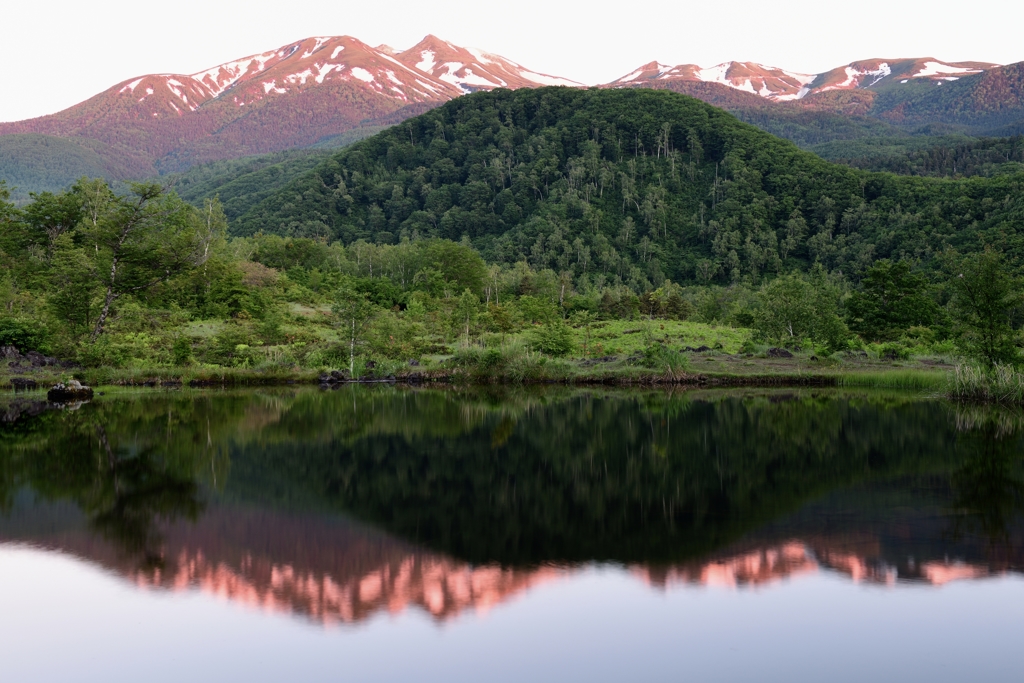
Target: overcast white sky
(58, 53)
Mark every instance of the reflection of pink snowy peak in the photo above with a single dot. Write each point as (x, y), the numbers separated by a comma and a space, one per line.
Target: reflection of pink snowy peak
(330, 570)
(442, 587)
(763, 566)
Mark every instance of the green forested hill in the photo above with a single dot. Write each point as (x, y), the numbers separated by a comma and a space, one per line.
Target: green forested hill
(631, 186)
(37, 163)
(241, 183)
(944, 156)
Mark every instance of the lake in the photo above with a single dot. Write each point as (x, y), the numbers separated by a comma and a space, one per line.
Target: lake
(382, 533)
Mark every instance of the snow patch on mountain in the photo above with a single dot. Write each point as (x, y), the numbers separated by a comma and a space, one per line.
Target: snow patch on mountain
(483, 57)
(319, 43)
(543, 79)
(362, 74)
(930, 69)
(715, 74)
(131, 86)
(427, 62)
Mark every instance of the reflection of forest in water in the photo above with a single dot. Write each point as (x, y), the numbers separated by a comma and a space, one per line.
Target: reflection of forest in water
(466, 498)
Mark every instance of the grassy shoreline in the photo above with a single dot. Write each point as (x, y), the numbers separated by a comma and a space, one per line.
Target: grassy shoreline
(542, 371)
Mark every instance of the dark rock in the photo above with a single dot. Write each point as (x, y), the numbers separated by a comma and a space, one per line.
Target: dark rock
(370, 365)
(23, 383)
(414, 363)
(339, 375)
(9, 352)
(779, 353)
(814, 358)
(890, 355)
(73, 390)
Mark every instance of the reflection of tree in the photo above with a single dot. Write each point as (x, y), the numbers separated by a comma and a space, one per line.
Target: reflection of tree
(130, 495)
(988, 488)
(117, 464)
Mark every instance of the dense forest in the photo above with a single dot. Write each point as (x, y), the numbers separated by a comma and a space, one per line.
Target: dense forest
(946, 156)
(46, 163)
(631, 186)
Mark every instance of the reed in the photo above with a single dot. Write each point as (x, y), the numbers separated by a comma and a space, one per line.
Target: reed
(909, 380)
(1001, 384)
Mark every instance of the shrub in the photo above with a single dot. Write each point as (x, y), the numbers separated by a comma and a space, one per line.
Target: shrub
(182, 351)
(27, 335)
(511, 362)
(554, 338)
(661, 357)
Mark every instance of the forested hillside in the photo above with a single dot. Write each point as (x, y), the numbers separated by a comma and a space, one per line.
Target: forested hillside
(936, 156)
(42, 162)
(631, 186)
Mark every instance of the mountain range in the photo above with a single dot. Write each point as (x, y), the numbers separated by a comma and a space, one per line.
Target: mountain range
(328, 91)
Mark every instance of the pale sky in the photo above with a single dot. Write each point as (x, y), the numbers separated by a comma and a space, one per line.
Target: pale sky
(58, 53)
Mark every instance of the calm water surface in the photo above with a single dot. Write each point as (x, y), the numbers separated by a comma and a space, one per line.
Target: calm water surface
(387, 534)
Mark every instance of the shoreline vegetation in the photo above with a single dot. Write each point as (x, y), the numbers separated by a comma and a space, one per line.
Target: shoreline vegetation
(481, 366)
(960, 382)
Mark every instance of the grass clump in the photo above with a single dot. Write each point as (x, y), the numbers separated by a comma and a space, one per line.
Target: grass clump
(1000, 384)
(910, 380)
(664, 359)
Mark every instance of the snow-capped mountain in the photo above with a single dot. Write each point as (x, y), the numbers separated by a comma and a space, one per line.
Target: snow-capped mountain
(315, 89)
(780, 85)
(471, 69)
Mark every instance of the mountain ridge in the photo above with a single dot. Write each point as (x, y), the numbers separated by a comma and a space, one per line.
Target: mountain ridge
(316, 89)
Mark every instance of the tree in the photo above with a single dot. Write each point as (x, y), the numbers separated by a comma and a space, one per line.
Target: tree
(354, 313)
(52, 215)
(73, 284)
(891, 301)
(584, 319)
(793, 308)
(502, 318)
(984, 296)
(467, 307)
(144, 239)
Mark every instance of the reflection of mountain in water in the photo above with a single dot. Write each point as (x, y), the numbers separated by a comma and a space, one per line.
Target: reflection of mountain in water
(332, 570)
(797, 558)
(326, 568)
(471, 500)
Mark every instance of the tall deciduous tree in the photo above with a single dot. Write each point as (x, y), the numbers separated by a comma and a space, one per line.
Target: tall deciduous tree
(354, 313)
(984, 297)
(144, 239)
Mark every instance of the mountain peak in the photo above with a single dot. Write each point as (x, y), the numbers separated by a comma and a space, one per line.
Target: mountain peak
(470, 69)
